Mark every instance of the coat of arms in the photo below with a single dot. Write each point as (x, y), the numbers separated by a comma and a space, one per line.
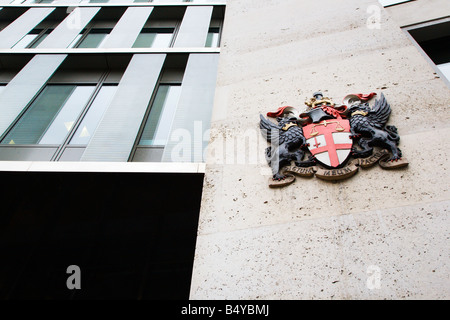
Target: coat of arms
(335, 139)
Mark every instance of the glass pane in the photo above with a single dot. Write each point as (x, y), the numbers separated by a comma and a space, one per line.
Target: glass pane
(157, 127)
(168, 114)
(66, 118)
(162, 40)
(25, 41)
(94, 115)
(156, 38)
(212, 40)
(385, 3)
(93, 40)
(75, 41)
(144, 40)
(445, 69)
(41, 38)
(31, 126)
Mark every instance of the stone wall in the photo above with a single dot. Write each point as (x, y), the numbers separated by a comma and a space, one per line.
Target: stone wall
(378, 235)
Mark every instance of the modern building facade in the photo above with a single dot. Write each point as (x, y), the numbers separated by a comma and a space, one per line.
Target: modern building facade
(97, 90)
(130, 147)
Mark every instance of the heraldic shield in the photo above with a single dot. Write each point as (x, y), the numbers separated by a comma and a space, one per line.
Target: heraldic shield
(329, 141)
(340, 138)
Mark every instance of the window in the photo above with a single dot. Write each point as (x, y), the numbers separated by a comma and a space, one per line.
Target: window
(386, 3)
(212, 40)
(40, 38)
(54, 114)
(94, 115)
(154, 38)
(157, 126)
(438, 50)
(445, 69)
(434, 40)
(32, 39)
(50, 116)
(92, 38)
(76, 41)
(27, 39)
(65, 119)
(215, 28)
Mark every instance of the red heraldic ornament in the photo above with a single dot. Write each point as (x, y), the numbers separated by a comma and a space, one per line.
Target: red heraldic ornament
(329, 141)
(333, 135)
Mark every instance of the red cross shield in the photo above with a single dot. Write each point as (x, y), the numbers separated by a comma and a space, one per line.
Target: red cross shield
(329, 141)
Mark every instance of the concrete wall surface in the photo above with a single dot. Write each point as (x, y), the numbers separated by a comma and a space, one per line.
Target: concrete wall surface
(378, 235)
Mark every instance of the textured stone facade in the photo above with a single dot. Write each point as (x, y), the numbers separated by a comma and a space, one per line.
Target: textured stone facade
(378, 235)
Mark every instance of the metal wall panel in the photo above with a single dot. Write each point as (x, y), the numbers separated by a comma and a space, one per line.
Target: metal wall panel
(148, 154)
(187, 141)
(22, 26)
(72, 154)
(21, 153)
(128, 28)
(25, 85)
(68, 1)
(115, 135)
(69, 28)
(194, 27)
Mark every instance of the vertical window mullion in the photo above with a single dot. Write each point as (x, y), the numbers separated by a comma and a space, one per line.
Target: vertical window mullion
(146, 115)
(152, 120)
(80, 117)
(175, 33)
(151, 130)
(92, 118)
(220, 33)
(93, 37)
(84, 34)
(38, 38)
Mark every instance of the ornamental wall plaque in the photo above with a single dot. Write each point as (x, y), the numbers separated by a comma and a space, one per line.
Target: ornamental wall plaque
(337, 139)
